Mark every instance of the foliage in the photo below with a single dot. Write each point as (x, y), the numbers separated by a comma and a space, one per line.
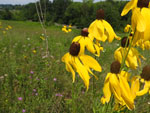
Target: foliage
(80, 14)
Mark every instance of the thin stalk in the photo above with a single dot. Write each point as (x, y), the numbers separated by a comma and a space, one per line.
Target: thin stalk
(130, 45)
(44, 29)
(73, 99)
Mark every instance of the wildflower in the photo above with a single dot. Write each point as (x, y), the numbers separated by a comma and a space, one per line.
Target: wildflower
(116, 82)
(126, 29)
(58, 95)
(23, 111)
(24, 56)
(133, 57)
(9, 27)
(76, 60)
(6, 28)
(140, 18)
(31, 72)
(146, 76)
(20, 98)
(34, 51)
(86, 41)
(101, 29)
(34, 90)
(4, 32)
(66, 29)
(42, 37)
(55, 79)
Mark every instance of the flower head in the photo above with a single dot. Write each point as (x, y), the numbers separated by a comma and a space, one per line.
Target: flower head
(20, 98)
(146, 73)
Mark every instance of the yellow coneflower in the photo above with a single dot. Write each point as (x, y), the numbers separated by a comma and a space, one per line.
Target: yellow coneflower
(133, 57)
(77, 61)
(4, 32)
(6, 28)
(126, 29)
(34, 51)
(9, 27)
(42, 37)
(86, 41)
(116, 82)
(140, 18)
(101, 29)
(145, 75)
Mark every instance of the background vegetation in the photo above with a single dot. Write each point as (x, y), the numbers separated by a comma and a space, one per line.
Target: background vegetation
(79, 14)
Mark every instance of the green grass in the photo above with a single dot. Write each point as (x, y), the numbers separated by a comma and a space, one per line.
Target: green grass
(16, 79)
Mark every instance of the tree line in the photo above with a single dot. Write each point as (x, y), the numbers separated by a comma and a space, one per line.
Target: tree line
(79, 14)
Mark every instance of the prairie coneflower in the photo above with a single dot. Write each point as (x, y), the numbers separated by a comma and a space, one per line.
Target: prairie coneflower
(86, 41)
(145, 75)
(133, 57)
(101, 29)
(76, 60)
(116, 82)
(140, 18)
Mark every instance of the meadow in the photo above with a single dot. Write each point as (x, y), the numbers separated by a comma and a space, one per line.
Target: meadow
(33, 81)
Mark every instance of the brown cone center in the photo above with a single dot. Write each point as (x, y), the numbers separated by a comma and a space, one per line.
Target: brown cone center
(74, 49)
(143, 3)
(115, 67)
(100, 14)
(124, 41)
(146, 73)
(84, 32)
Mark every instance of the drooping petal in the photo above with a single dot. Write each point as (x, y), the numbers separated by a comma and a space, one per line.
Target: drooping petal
(135, 86)
(110, 31)
(138, 20)
(90, 62)
(146, 14)
(126, 92)
(130, 5)
(106, 90)
(142, 92)
(115, 87)
(118, 55)
(70, 69)
(82, 72)
(90, 45)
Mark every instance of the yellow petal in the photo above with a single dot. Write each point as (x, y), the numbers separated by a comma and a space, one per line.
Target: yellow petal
(83, 73)
(118, 55)
(110, 31)
(115, 87)
(90, 62)
(126, 93)
(138, 20)
(69, 69)
(135, 86)
(106, 89)
(142, 92)
(130, 5)
(66, 57)
(90, 45)
(146, 14)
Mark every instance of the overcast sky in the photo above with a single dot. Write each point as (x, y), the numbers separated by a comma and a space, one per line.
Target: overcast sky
(25, 1)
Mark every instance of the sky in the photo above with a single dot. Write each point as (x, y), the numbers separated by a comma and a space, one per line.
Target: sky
(25, 1)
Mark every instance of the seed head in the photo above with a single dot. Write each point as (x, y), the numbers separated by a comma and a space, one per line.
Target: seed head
(123, 42)
(146, 73)
(100, 14)
(143, 3)
(115, 67)
(74, 49)
(84, 32)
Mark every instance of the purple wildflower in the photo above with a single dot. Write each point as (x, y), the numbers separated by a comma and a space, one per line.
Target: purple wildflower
(23, 110)
(34, 90)
(20, 98)
(58, 95)
(55, 79)
(31, 72)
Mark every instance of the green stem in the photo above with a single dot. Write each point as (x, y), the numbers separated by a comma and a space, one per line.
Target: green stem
(73, 99)
(130, 45)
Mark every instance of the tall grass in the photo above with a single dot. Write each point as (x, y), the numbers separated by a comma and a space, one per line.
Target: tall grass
(42, 82)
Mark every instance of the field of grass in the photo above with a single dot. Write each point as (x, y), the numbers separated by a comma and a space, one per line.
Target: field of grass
(32, 82)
